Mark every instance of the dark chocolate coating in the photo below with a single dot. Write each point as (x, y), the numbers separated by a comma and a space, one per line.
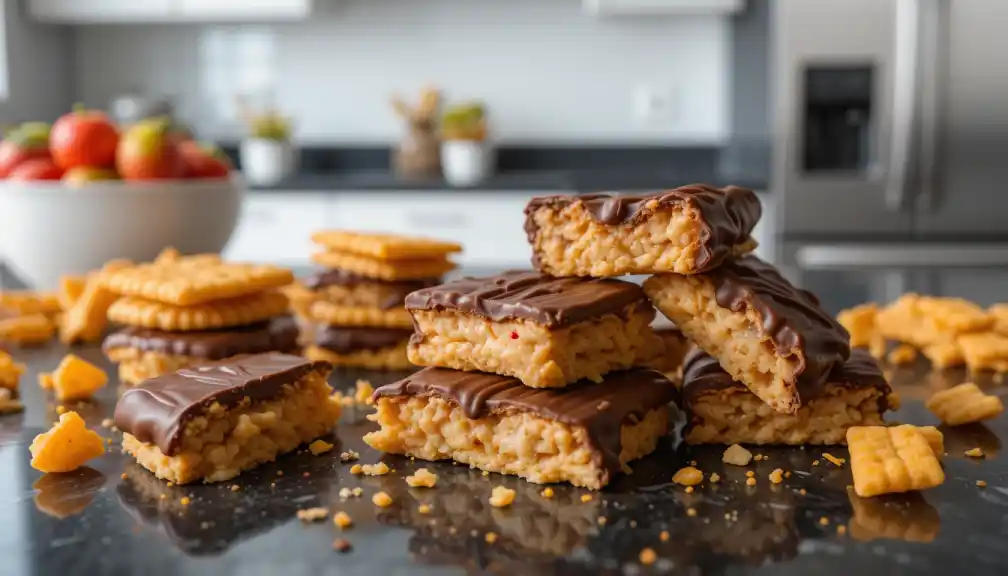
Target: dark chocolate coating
(157, 410)
(279, 334)
(600, 407)
(727, 215)
(348, 339)
(397, 290)
(703, 374)
(790, 317)
(526, 295)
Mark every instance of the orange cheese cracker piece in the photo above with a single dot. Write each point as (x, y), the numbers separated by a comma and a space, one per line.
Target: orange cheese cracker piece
(240, 311)
(26, 330)
(385, 269)
(985, 351)
(76, 379)
(25, 302)
(963, 404)
(86, 319)
(71, 288)
(10, 371)
(888, 460)
(187, 283)
(384, 246)
(66, 446)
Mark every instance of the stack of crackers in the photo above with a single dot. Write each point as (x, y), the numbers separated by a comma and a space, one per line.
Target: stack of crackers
(353, 309)
(184, 311)
(29, 318)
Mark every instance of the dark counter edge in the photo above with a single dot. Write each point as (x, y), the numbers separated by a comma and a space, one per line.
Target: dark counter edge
(578, 169)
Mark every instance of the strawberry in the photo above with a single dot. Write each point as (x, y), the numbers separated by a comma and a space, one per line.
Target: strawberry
(37, 169)
(147, 152)
(84, 138)
(204, 160)
(25, 143)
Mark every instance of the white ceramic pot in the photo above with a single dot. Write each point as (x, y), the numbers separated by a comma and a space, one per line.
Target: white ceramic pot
(267, 162)
(466, 163)
(48, 228)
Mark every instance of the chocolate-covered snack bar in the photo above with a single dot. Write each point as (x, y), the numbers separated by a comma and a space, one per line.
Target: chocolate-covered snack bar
(584, 434)
(675, 345)
(348, 289)
(765, 332)
(144, 353)
(362, 347)
(684, 230)
(214, 421)
(547, 332)
(722, 410)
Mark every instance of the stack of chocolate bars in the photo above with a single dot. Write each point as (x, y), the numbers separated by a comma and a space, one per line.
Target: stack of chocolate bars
(772, 366)
(529, 375)
(195, 310)
(353, 311)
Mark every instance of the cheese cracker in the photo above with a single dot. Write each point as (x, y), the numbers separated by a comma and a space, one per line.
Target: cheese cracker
(384, 246)
(238, 311)
(888, 460)
(184, 283)
(963, 404)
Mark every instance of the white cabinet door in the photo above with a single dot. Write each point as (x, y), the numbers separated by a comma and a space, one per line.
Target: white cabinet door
(489, 225)
(276, 227)
(98, 11)
(662, 7)
(244, 10)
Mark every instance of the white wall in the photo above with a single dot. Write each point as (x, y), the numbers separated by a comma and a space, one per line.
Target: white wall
(39, 63)
(548, 71)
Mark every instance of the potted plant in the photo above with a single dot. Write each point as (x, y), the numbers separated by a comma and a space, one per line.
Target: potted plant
(466, 156)
(268, 154)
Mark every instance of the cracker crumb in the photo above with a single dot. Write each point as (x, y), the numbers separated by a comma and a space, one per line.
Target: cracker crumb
(342, 520)
(824, 521)
(689, 489)
(633, 523)
(664, 536)
(379, 469)
(485, 473)
(736, 455)
(61, 409)
(691, 512)
(349, 456)
(777, 476)
(787, 473)
(750, 474)
(603, 405)
(490, 537)
(312, 514)
(975, 452)
(602, 520)
(342, 546)
(688, 476)
(547, 493)
(381, 500)
(319, 447)
(185, 500)
(358, 491)
(815, 462)
(841, 530)
(692, 463)
(107, 423)
(279, 472)
(348, 401)
(170, 484)
(422, 478)
(344, 493)
(363, 392)
(648, 556)
(356, 469)
(715, 478)
(750, 481)
(424, 509)
(163, 497)
(586, 497)
(981, 483)
(802, 492)
(235, 487)
(839, 462)
(501, 497)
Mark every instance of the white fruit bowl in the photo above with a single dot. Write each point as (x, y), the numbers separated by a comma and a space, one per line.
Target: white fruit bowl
(48, 229)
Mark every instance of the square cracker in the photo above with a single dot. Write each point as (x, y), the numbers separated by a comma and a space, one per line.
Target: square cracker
(184, 284)
(963, 404)
(389, 270)
(889, 460)
(384, 246)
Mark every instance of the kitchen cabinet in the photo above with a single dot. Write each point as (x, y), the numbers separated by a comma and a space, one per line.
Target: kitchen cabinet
(162, 11)
(276, 227)
(662, 7)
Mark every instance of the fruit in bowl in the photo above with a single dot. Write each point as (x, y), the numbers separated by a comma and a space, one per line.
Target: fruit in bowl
(26, 142)
(36, 169)
(84, 138)
(148, 152)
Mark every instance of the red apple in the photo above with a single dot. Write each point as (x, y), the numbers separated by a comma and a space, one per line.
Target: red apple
(204, 160)
(84, 138)
(147, 152)
(24, 143)
(37, 169)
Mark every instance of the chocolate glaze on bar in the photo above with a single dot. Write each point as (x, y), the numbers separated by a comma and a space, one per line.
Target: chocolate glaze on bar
(156, 411)
(279, 334)
(396, 291)
(703, 374)
(727, 215)
(790, 317)
(526, 295)
(348, 339)
(601, 408)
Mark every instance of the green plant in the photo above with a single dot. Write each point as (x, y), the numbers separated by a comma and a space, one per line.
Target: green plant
(270, 126)
(464, 122)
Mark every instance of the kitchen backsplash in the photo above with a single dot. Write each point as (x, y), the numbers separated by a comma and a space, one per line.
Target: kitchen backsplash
(548, 71)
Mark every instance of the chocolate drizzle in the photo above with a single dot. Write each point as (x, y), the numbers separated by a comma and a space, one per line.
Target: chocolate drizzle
(703, 374)
(600, 408)
(531, 296)
(348, 339)
(727, 215)
(790, 317)
(156, 411)
(279, 334)
(395, 291)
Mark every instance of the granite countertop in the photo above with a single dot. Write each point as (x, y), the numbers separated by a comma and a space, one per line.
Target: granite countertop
(113, 517)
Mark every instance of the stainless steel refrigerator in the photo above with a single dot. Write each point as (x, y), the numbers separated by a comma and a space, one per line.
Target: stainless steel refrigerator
(891, 146)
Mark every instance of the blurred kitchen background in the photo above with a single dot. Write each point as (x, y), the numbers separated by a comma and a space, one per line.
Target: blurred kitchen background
(873, 130)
